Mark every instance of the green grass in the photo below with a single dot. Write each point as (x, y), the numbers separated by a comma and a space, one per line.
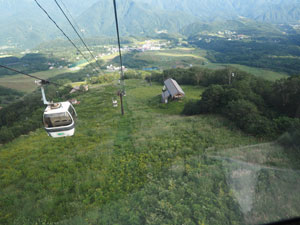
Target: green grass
(259, 72)
(130, 169)
(263, 178)
(169, 58)
(263, 73)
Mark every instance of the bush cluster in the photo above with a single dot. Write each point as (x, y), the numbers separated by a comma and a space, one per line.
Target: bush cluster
(257, 106)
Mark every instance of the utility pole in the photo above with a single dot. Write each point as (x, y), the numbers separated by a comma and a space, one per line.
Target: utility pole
(121, 100)
(122, 91)
(230, 76)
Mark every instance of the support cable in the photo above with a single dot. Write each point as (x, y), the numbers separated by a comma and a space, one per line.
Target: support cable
(83, 42)
(122, 91)
(74, 22)
(63, 32)
(26, 74)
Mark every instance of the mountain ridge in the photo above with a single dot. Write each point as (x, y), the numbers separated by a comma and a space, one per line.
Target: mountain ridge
(25, 25)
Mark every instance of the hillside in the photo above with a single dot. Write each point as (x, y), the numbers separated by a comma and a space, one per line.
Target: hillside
(24, 25)
(135, 167)
(279, 11)
(241, 26)
(140, 17)
(135, 19)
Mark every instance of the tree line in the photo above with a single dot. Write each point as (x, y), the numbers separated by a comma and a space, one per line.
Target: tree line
(29, 63)
(280, 54)
(257, 106)
(8, 95)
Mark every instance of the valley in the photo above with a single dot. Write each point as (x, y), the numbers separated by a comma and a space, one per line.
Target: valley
(145, 55)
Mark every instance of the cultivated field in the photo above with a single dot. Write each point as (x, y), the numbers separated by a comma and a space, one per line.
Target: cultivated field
(26, 84)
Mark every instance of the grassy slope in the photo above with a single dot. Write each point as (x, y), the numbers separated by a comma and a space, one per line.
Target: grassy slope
(116, 169)
(166, 59)
(264, 73)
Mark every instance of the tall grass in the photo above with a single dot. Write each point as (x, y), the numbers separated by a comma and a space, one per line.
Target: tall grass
(116, 166)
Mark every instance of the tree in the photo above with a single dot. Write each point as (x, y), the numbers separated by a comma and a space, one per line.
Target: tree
(6, 135)
(212, 98)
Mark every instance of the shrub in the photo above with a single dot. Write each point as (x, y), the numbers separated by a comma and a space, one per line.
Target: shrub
(291, 139)
(212, 98)
(191, 108)
(237, 110)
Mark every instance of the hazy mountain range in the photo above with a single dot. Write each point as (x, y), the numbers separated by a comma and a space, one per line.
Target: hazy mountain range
(23, 23)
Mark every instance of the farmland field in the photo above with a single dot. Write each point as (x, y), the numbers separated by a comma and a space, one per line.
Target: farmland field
(186, 57)
(26, 84)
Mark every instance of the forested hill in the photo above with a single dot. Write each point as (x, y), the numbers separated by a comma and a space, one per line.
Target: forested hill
(241, 25)
(29, 26)
(136, 18)
(278, 11)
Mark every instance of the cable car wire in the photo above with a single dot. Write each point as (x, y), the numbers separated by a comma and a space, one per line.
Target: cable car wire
(83, 42)
(122, 91)
(63, 32)
(118, 37)
(26, 74)
(72, 18)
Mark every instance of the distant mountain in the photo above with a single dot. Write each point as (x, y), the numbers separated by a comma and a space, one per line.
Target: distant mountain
(274, 11)
(241, 25)
(135, 18)
(24, 24)
(147, 16)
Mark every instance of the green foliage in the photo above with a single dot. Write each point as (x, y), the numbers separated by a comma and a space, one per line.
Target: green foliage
(29, 63)
(286, 95)
(80, 75)
(241, 26)
(240, 109)
(291, 139)
(201, 76)
(105, 78)
(137, 74)
(212, 98)
(191, 108)
(262, 53)
(257, 106)
(247, 117)
(8, 96)
(175, 198)
(130, 61)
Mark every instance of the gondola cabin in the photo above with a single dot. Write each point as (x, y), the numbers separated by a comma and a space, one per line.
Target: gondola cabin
(59, 119)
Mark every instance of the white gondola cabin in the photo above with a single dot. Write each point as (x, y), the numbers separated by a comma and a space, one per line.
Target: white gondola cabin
(59, 119)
